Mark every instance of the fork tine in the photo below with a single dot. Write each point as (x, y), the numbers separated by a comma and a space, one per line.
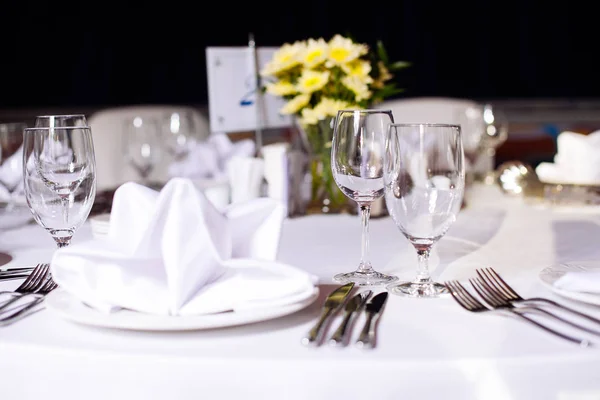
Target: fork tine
(39, 270)
(485, 295)
(492, 291)
(492, 285)
(39, 279)
(456, 296)
(467, 297)
(503, 283)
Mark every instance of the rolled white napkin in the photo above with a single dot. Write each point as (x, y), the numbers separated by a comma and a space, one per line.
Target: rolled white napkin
(173, 253)
(577, 160)
(579, 281)
(208, 158)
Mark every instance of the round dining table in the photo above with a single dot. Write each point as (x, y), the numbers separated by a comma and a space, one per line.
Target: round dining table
(426, 348)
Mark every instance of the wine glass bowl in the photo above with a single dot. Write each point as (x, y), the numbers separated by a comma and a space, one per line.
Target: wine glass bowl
(357, 166)
(11, 168)
(424, 187)
(142, 143)
(179, 130)
(59, 178)
(65, 120)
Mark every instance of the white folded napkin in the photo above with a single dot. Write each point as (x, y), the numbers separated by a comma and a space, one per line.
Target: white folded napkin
(11, 175)
(173, 253)
(579, 281)
(577, 160)
(208, 159)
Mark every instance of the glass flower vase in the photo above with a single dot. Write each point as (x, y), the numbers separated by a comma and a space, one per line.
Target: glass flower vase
(325, 195)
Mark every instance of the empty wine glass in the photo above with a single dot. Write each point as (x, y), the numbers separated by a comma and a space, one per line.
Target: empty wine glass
(142, 144)
(42, 121)
(60, 178)
(357, 166)
(424, 180)
(180, 130)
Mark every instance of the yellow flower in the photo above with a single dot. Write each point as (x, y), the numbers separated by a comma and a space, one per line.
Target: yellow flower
(343, 50)
(360, 68)
(295, 104)
(315, 53)
(310, 116)
(329, 107)
(285, 58)
(310, 81)
(280, 88)
(358, 86)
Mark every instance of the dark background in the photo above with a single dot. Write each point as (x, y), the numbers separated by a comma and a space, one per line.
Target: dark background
(104, 54)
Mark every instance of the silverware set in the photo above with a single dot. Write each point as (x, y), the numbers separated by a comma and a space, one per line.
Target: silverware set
(493, 294)
(37, 284)
(334, 303)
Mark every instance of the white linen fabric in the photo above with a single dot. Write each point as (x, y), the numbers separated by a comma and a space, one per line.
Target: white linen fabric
(579, 281)
(11, 175)
(209, 158)
(577, 160)
(173, 253)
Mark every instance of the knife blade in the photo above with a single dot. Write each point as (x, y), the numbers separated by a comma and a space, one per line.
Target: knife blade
(374, 308)
(351, 310)
(334, 301)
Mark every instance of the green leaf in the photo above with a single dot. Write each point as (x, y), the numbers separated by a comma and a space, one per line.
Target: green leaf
(398, 65)
(381, 52)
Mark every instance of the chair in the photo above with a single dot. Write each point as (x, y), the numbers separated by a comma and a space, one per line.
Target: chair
(428, 109)
(107, 126)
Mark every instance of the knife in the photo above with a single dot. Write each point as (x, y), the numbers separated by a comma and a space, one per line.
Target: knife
(335, 300)
(373, 309)
(352, 309)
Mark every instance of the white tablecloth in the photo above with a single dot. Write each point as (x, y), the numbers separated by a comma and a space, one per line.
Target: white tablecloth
(428, 349)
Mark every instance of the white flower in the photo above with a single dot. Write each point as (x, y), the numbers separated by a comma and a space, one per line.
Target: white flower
(310, 81)
(295, 104)
(343, 50)
(329, 107)
(315, 53)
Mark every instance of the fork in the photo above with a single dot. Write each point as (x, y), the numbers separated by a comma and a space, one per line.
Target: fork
(34, 280)
(472, 304)
(495, 297)
(21, 313)
(490, 275)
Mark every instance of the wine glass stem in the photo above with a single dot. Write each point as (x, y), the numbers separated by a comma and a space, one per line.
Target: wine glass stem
(423, 265)
(65, 204)
(365, 264)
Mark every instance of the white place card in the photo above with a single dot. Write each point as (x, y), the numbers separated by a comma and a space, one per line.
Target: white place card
(233, 94)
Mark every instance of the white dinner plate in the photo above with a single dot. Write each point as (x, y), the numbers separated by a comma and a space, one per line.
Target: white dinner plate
(551, 274)
(71, 308)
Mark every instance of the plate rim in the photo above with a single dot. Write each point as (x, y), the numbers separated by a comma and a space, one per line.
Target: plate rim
(96, 318)
(544, 276)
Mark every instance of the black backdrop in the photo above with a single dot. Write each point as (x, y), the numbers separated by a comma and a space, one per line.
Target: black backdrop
(114, 54)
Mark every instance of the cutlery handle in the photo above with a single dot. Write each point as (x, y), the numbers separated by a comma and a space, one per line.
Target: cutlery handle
(565, 308)
(367, 335)
(339, 336)
(525, 307)
(316, 333)
(581, 342)
(22, 313)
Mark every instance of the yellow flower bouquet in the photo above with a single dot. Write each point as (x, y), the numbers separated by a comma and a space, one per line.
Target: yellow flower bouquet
(316, 78)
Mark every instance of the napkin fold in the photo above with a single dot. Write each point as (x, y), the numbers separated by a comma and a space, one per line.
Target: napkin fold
(173, 253)
(579, 281)
(208, 158)
(577, 160)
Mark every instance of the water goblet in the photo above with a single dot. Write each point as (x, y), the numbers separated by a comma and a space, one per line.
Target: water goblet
(357, 167)
(179, 130)
(424, 179)
(59, 178)
(142, 145)
(11, 158)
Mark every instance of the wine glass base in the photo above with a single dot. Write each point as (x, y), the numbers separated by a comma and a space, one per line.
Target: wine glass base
(419, 289)
(372, 278)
